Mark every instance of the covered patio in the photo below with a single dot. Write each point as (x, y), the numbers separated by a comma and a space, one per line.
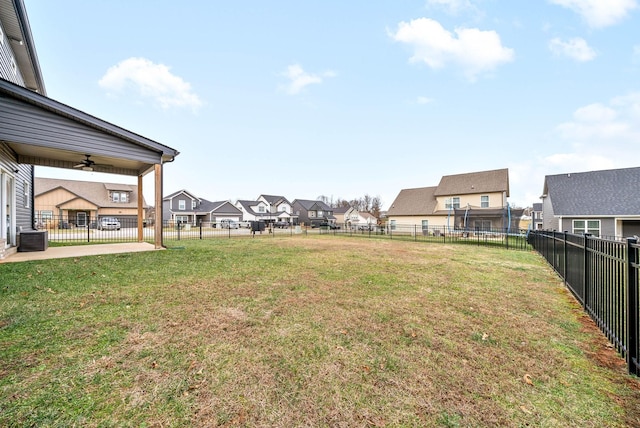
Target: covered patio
(41, 131)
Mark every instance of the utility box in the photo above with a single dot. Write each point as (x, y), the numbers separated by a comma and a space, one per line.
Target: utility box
(258, 226)
(33, 240)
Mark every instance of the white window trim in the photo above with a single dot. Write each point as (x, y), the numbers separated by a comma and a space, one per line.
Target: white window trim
(586, 228)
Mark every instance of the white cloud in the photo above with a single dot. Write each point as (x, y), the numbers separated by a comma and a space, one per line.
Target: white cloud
(636, 54)
(597, 123)
(152, 81)
(298, 78)
(424, 100)
(576, 48)
(474, 50)
(599, 13)
(600, 136)
(452, 6)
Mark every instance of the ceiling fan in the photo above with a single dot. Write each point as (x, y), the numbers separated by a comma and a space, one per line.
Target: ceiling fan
(86, 164)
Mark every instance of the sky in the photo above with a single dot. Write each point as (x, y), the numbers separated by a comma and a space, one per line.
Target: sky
(345, 98)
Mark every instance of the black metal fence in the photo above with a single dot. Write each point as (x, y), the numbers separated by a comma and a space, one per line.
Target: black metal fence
(603, 275)
(68, 231)
(85, 229)
(440, 234)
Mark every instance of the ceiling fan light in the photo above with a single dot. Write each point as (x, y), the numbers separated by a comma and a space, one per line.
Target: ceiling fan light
(87, 168)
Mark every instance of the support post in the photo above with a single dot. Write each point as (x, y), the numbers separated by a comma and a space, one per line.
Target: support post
(157, 227)
(140, 210)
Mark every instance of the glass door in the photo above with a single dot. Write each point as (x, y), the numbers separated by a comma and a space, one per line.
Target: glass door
(7, 215)
(81, 219)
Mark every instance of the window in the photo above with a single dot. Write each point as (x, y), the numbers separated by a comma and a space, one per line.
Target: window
(586, 226)
(452, 202)
(425, 225)
(193, 204)
(182, 219)
(120, 197)
(260, 208)
(484, 201)
(392, 223)
(182, 204)
(46, 217)
(319, 213)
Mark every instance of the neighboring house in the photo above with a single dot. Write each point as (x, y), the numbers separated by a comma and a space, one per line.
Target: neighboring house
(536, 216)
(80, 202)
(352, 218)
(340, 213)
(268, 208)
(254, 210)
(603, 203)
(312, 213)
(367, 219)
(37, 130)
(186, 208)
(472, 201)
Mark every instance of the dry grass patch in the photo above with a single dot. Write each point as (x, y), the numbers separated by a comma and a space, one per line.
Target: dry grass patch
(318, 331)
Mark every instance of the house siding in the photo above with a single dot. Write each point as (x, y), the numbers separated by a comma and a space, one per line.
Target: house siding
(21, 173)
(23, 206)
(607, 225)
(496, 200)
(549, 221)
(6, 58)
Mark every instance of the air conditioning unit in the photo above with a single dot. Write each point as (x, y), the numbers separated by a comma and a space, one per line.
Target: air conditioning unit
(36, 240)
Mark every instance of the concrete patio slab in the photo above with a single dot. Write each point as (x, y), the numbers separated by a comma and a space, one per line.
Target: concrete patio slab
(79, 251)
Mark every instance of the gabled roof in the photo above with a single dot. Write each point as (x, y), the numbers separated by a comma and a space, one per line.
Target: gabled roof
(94, 192)
(474, 182)
(418, 201)
(274, 199)
(15, 24)
(367, 215)
(311, 205)
(220, 207)
(247, 205)
(186, 192)
(597, 193)
(341, 210)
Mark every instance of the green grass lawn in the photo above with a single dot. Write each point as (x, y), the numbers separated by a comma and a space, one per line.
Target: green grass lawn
(303, 331)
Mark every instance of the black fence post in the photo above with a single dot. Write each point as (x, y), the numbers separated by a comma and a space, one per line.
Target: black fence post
(506, 234)
(179, 222)
(632, 307)
(200, 229)
(585, 272)
(564, 256)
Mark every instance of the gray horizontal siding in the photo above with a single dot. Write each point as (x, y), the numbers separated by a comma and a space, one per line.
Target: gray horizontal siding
(24, 174)
(26, 124)
(6, 55)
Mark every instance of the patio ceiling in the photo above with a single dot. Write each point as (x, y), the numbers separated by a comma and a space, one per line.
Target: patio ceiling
(42, 131)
